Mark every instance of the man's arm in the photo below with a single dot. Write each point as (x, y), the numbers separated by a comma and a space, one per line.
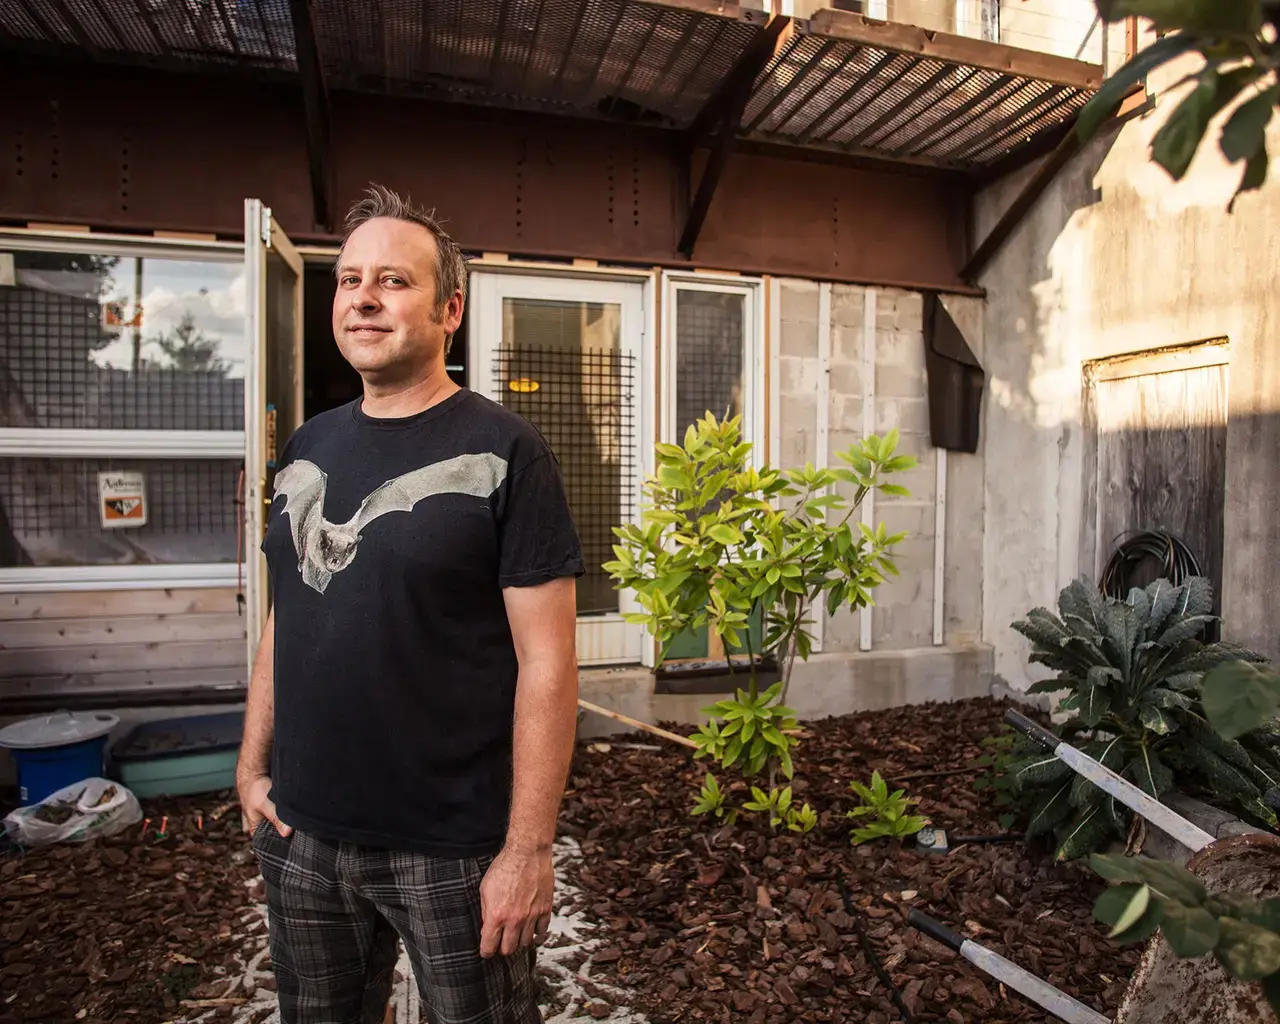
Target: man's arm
(253, 768)
(516, 895)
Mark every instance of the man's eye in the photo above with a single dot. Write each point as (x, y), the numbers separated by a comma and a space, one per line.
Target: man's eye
(350, 280)
(393, 280)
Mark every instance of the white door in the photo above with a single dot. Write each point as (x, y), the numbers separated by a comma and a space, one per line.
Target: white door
(569, 355)
(272, 386)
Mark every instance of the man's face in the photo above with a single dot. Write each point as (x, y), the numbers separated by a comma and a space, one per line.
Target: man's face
(387, 320)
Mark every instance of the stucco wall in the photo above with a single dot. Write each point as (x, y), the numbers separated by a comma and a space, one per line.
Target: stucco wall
(1117, 258)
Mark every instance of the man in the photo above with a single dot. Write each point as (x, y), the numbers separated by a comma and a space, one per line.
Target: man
(412, 705)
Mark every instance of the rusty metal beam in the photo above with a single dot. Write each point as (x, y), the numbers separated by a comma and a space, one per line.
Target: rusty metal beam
(735, 90)
(315, 105)
(1067, 147)
(743, 76)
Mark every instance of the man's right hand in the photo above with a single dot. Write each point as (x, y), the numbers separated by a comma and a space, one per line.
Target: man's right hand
(255, 804)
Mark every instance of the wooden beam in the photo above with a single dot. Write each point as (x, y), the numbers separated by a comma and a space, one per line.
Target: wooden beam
(728, 110)
(315, 105)
(955, 49)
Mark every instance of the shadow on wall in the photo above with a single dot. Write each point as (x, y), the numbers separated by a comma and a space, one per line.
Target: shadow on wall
(1116, 258)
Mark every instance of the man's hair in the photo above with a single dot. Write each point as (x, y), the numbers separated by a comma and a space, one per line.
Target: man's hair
(380, 201)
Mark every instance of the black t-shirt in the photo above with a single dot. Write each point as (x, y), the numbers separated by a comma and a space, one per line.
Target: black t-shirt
(388, 545)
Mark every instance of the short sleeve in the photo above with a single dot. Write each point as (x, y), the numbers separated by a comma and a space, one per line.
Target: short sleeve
(538, 541)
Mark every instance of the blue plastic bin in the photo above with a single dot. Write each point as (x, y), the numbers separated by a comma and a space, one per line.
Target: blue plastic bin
(42, 772)
(57, 751)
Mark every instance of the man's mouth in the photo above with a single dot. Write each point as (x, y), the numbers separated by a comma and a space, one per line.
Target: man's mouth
(367, 330)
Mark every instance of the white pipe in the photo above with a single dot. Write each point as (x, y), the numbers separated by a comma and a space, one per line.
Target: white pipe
(823, 442)
(940, 548)
(868, 428)
(1137, 800)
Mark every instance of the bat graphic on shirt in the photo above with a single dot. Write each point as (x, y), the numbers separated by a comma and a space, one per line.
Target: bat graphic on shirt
(325, 548)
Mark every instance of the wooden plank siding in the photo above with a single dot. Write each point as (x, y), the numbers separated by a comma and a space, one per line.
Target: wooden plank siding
(1161, 456)
(106, 642)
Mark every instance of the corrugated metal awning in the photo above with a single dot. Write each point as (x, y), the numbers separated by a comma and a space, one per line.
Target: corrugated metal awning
(844, 82)
(634, 60)
(838, 81)
(631, 59)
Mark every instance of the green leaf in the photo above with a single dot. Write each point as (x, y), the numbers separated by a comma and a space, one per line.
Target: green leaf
(1171, 881)
(1149, 773)
(1095, 702)
(1113, 905)
(1084, 834)
(1156, 720)
(1190, 931)
(1163, 595)
(1224, 778)
(1115, 868)
(1245, 131)
(1132, 913)
(1239, 697)
(1176, 142)
(1248, 952)
(1115, 88)
(1184, 629)
(1042, 770)
(1051, 811)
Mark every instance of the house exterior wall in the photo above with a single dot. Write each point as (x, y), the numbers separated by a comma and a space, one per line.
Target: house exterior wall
(1116, 258)
(890, 322)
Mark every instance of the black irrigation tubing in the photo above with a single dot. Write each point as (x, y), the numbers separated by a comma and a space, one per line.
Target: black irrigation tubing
(869, 950)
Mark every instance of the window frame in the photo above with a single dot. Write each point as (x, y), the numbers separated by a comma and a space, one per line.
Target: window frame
(754, 372)
(61, 442)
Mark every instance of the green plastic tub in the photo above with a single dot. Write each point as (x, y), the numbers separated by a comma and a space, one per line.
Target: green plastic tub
(180, 756)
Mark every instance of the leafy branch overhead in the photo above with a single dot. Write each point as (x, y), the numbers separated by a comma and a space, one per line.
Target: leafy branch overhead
(1131, 672)
(1236, 42)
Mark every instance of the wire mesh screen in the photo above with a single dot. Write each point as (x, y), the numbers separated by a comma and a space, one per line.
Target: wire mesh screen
(584, 405)
(709, 356)
(821, 88)
(49, 512)
(72, 356)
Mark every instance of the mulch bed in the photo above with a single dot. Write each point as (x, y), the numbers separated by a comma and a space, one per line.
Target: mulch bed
(700, 925)
(749, 926)
(126, 929)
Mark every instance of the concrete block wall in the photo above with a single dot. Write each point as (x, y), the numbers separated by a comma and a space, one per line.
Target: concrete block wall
(902, 618)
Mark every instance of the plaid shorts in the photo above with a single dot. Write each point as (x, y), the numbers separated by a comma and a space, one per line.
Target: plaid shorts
(335, 911)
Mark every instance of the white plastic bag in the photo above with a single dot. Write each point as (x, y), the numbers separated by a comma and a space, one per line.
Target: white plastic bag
(75, 814)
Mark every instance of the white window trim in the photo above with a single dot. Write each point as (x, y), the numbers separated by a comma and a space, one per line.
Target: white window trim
(47, 579)
(26, 443)
(123, 444)
(754, 397)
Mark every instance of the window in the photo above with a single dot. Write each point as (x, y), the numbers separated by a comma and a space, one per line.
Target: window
(714, 354)
(713, 360)
(121, 371)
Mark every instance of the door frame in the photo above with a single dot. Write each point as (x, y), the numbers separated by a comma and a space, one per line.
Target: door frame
(485, 289)
(263, 236)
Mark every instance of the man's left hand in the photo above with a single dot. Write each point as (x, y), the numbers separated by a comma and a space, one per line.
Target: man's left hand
(515, 901)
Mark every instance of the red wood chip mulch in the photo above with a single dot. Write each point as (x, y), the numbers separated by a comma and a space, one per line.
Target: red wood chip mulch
(698, 925)
(749, 926)
(127, 928)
